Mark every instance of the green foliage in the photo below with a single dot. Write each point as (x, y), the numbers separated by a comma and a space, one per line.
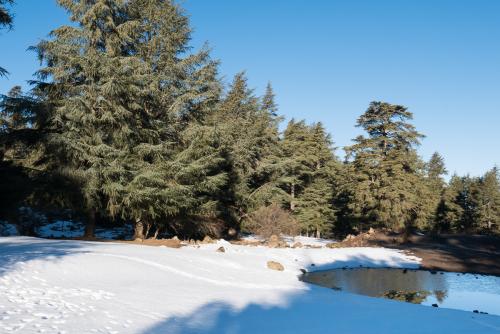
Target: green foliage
(5, 14)
(489, 201)
(386, 185)
(435, 170)
(248, 128)
(471, 204)
(5, 21)
(127, 123)
(309, 166)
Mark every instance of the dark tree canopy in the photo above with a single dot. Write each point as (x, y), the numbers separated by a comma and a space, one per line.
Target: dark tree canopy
(127, 124)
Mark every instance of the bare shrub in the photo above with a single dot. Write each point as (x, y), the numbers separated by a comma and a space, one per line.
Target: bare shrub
(272, 220)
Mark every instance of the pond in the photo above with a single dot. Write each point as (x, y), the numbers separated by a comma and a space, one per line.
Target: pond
(469, 292)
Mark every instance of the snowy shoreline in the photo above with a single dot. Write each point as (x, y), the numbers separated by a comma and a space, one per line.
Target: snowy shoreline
(70, 286)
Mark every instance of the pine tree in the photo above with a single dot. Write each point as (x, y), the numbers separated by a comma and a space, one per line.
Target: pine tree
(309, 167)
(387, 187)
(16, 111)
(298, 168)
(489, 201)
(179, 172)
(95, 120)
(265, 180)
(5, 15)
(435, 170)
(5, 21)
(21, 117)
(248, 127)
(268, 102)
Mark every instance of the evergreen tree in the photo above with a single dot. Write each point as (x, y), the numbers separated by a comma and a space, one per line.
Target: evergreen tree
(489, 201)
(471, 204)
(95, 120)
(248, 127)
(16, 111)
(387, 186)
(5, 14)
(309, 169)
(268, 102)
(265, 181)
(449, 212)
(5, 21)
(179, 172)
(435, 170)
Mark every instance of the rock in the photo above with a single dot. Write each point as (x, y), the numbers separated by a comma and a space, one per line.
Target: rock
(174, 238)
(173, 243)
(275, 242)
(273, 265)
(435, 305)
(298, 244)
(302, 270)
(333, 245)
(349, 237)
(207, 240)
(232, 232)
(371, 231)
(274, 238)
(475, 311)
(247, 242)
(221, 249)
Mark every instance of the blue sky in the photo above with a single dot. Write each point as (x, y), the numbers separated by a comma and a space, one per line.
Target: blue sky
(328, 59)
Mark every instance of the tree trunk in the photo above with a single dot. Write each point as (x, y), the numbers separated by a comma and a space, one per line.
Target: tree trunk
(292, 195)
(138, 230)
(406, 232)
(146, 232)
(90, 226)
(157, 232)
(318, 233)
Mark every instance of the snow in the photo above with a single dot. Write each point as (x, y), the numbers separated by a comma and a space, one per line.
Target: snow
(67, 286)
(73, 229)
(8, 230)
(305, 241)
(308, 241)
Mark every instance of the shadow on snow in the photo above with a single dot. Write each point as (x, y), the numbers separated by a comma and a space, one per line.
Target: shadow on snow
(14, 252)
(321, 310)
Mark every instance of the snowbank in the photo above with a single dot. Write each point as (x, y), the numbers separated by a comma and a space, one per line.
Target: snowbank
(72, 229)
(61, 286)
(8, 230)
(305, 241)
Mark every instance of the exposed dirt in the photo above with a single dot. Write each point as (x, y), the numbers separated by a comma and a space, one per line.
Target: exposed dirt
(172, 243)
(457, 253)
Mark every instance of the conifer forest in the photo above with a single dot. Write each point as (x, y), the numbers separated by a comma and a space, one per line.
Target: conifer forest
(126, 124)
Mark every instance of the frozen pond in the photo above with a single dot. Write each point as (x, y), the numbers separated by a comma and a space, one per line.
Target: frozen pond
(467, 292)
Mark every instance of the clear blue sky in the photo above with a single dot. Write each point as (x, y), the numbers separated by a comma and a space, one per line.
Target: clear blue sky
(328, 59)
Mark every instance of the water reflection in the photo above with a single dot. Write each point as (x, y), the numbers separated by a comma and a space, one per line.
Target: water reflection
(451, 290)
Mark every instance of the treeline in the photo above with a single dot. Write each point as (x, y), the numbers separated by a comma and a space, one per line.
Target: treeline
(124, 123)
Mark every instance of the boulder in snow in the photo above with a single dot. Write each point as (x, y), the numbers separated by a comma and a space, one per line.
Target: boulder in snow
(276, 242)
(207, 240)
(273, 265)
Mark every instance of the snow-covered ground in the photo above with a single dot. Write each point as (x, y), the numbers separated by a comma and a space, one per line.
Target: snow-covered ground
(72, 229)
(305, 241)
(58, 286)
